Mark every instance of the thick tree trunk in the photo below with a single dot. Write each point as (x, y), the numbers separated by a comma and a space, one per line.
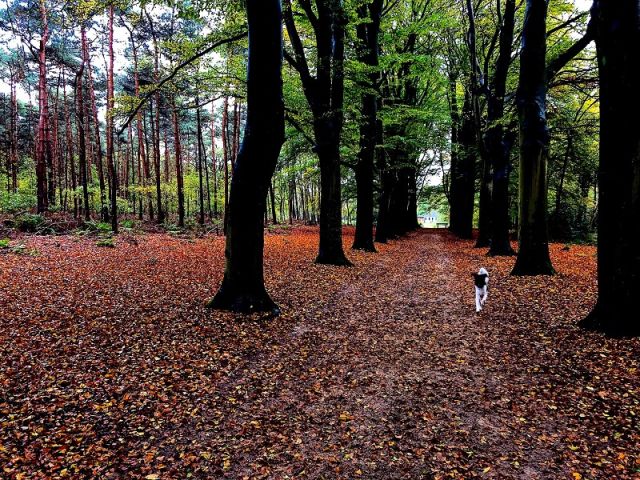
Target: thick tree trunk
(484, 200)
(617, 39)
(463, 175)
(533, 253)
(497, 148)
(330, 251)
(387, 181)
(368, 54)
(325, 95)
(243, 287)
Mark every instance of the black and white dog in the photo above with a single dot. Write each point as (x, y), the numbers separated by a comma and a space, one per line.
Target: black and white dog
(481, 282)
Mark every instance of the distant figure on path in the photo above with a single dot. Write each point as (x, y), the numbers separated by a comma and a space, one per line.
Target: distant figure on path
(481, 281)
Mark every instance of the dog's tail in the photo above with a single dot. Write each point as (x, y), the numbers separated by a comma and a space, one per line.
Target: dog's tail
(483, 271)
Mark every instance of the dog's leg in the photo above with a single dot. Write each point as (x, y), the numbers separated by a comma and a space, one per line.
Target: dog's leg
(478, 306)
(485, 295)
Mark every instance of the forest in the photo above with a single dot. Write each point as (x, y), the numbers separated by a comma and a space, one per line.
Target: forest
(237, 238)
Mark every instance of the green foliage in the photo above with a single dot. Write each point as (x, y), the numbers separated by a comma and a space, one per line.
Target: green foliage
(107, 242)
(28, 222)
(16, 202)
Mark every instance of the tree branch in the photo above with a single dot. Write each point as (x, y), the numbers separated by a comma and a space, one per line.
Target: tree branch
(565, 57)
(175, 71)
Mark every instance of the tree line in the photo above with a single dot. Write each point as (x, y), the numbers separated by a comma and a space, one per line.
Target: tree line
(378, 99)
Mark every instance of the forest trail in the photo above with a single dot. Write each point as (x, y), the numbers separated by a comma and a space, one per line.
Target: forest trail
(112, 368)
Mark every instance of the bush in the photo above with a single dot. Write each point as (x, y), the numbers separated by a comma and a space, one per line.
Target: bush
(28, 222)
(16, 202)
(106, 242)
(128, 224)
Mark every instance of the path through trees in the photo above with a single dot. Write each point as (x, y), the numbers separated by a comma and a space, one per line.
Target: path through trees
(382, 370)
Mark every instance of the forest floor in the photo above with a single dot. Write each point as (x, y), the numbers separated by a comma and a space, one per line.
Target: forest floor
(110, 366)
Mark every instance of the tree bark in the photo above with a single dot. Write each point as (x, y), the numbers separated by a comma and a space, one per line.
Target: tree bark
(497, 147)
(82, 148)
(617, 40)
(463, 173)
(113, 172)
(178, 155)
(533, 253)
(200, 168)
(243, 287)
(325, 95)
(367, 51)
(43, 150)
(96, 121)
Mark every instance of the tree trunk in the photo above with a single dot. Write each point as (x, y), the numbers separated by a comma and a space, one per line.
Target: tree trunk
(225, 157)
(368, 54)
(82, 148)
(328, 138)
(496, 145)
(96, 121)
(533, 253)
(178, 154)
(387, 181)
(463, 175)
(243, 287)
(43, 150)
(273, 204)
(156, 125)
(617, 40)
(200, 172)
(325, 95)
(113, 172)
(214, 163)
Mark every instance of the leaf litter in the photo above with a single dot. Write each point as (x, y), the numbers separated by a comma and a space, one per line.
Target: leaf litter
(112, 368)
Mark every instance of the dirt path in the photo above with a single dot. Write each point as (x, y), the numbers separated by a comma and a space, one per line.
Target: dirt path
(381, 371)
(415, 384)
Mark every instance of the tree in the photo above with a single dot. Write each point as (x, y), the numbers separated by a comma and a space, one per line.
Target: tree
(43, 150)
(367, 50)
(533, 254)
(496, 141)
(617, 27)
(325, 95)
(243, 287)
(113, 173)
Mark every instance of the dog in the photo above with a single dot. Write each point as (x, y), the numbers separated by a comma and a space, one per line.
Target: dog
(481, 283)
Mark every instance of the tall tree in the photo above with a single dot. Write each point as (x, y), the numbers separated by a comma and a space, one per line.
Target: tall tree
(617, 25)
(43, 150)
(368, 31)
(243, 287)
(495, 138)
(325, 94)
(533, 254)
(113, 172)
(96, 121)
